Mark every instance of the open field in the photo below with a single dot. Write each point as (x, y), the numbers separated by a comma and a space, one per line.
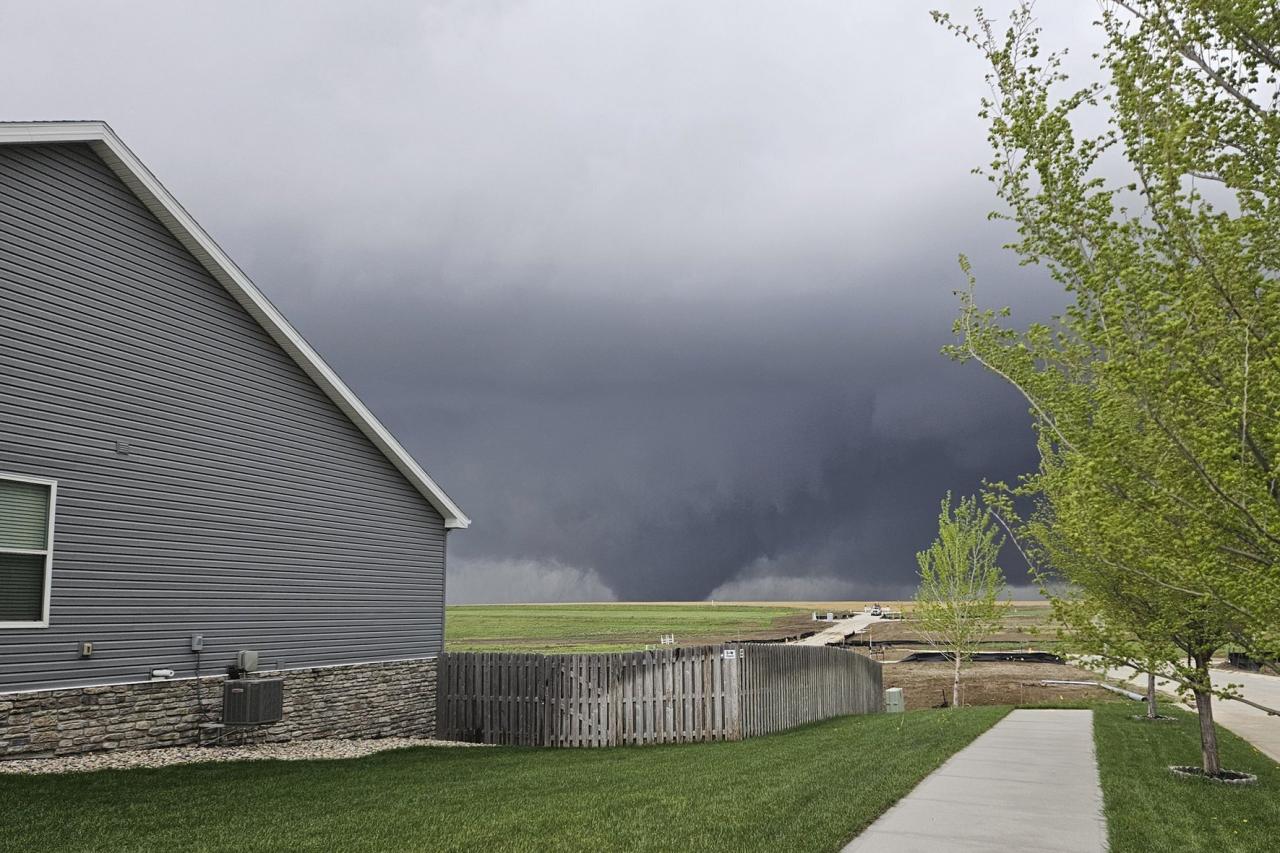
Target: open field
(628, 626)
(614, 627)
(763, 794)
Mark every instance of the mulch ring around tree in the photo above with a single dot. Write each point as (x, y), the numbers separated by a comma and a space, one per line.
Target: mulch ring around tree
(1226, 777)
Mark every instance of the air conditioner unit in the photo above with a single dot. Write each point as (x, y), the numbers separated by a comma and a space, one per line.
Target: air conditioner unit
(252, 701)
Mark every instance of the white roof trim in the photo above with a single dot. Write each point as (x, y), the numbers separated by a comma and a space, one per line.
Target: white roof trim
(153, 194)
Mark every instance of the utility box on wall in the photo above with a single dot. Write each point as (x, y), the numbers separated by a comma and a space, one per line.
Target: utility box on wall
(252, 701)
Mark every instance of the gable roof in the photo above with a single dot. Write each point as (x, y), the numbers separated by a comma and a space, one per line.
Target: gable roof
(104, 142)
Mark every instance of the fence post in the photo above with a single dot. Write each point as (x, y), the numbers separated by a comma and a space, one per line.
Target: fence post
(734, 668)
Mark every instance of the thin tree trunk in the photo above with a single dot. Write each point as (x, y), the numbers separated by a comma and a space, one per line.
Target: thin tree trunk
(1204, 708)
(1151, 696)
(955, 685)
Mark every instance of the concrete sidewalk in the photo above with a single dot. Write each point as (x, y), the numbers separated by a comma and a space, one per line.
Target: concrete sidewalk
(1030, 783)
(835, 632)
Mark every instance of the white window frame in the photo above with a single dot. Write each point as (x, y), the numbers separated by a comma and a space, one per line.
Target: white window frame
(47, 551)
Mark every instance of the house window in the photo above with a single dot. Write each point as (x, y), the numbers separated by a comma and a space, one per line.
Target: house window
(26, 550)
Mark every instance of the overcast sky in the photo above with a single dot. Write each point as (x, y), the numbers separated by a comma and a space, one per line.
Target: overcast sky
(654, 290)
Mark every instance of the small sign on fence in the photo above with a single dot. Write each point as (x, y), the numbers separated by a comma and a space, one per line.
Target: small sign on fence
(730, 654)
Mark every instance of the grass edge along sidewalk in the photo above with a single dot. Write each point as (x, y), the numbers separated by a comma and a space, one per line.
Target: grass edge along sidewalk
(810, 789)
(1149, 809)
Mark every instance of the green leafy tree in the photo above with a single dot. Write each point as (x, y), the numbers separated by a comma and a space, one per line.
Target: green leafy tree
(1156, 394)
(958, 603)
(1098, 628)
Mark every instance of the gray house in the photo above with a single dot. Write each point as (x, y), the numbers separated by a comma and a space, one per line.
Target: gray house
(182, 478)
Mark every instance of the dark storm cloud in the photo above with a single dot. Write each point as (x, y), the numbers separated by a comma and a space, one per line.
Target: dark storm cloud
(655, 291)
(676, 450)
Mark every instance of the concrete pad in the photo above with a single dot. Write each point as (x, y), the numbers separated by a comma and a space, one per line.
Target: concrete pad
(1021, 756)
(1005, 770)
(957, 821)
(906, 843)
(961, 789)
(1030, 783)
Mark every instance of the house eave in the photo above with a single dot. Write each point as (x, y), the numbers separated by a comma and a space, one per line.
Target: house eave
(175, 218)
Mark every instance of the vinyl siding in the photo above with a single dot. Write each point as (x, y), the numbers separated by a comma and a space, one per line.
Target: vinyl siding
(248, 509)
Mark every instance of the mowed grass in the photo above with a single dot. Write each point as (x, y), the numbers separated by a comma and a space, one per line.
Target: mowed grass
(1150, 809)
(610, 627)
(811, 789)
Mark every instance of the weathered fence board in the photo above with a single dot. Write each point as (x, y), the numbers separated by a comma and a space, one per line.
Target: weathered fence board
(675, 695)
(788, 686)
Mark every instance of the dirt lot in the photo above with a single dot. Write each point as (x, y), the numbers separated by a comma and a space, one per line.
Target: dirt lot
(927, 684)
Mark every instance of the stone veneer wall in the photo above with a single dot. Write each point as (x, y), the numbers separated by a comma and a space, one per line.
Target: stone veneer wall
(358, 701)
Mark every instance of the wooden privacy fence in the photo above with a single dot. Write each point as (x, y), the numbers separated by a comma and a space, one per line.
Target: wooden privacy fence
(788, 686)
(675, 695)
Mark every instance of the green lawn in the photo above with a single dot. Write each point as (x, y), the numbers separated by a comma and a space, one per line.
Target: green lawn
(1149, 809)
(807, 790)
(610, 627)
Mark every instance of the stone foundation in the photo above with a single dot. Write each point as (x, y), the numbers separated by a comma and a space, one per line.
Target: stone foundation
(357, 701)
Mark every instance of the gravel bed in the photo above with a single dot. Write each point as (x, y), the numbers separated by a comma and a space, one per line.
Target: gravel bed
(302, 750)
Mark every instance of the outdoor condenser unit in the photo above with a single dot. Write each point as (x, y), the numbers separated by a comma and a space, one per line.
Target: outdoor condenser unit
(252, 701)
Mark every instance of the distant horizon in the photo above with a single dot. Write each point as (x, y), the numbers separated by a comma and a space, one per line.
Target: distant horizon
(1017, 597)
